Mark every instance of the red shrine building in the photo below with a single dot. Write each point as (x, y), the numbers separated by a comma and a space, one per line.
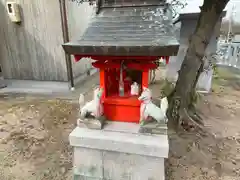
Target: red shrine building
(125, 39)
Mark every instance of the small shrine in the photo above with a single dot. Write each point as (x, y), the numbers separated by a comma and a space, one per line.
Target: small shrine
(125, 43)
(125, 40)
(117, 74)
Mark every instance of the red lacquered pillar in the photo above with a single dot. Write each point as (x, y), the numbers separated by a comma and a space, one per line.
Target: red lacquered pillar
(102, 81)
(145, 77)
(167, 59)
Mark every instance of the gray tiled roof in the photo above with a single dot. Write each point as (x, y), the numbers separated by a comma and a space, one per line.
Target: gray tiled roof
(121, 3)
(128, 31)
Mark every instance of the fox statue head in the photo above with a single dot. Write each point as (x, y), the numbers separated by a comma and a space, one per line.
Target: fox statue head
(146, 95)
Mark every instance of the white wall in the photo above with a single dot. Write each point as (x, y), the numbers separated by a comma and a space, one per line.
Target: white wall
(79, 16)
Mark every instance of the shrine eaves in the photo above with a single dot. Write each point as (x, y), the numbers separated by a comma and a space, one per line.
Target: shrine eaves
(128, 28)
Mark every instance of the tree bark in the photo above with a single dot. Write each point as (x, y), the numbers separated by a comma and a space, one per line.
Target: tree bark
(180, 100)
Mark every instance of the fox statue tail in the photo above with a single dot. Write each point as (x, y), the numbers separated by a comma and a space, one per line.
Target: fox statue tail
(164, 105)
(81, 110)
(81, 101)
(81, 105)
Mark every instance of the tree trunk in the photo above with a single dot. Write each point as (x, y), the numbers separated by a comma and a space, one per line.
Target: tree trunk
(180, 100)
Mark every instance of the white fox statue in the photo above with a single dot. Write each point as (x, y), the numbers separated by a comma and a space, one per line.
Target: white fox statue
(134, 89)
(92, 108)
(148, 109)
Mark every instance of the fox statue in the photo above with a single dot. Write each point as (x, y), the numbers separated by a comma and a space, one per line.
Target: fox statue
(92, 108)
(150, 110)
(134, 89)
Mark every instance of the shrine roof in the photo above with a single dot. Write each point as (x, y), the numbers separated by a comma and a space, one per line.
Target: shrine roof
(128, 31)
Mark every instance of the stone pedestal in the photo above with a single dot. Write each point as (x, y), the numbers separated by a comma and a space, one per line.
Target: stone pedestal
(118, 152)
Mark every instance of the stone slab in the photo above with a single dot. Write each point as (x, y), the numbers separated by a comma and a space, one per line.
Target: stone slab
(121, 166)
(92, 164)
(91, 123)
(124, 142)
(154, 128)
(118, 152)
(149, 128)
(88, 162)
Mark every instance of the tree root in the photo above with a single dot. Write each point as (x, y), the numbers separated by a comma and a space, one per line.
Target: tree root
(196, 117)
(188, 122)
(185, 118)
(191, 122)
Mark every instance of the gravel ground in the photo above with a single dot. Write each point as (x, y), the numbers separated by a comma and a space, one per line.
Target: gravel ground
(34, 138)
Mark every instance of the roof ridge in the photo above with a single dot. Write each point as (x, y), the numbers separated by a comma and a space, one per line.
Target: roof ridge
(126, 3)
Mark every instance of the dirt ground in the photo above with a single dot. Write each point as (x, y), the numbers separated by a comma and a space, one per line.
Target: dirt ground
(34, 137)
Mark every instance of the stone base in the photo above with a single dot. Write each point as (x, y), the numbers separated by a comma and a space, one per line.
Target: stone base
(118, 152)
(154, 128)
(91, 123)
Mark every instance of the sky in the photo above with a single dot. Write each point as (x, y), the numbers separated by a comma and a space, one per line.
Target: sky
(193, 5)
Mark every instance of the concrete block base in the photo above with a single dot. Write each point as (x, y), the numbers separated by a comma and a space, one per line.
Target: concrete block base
(118, 152)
